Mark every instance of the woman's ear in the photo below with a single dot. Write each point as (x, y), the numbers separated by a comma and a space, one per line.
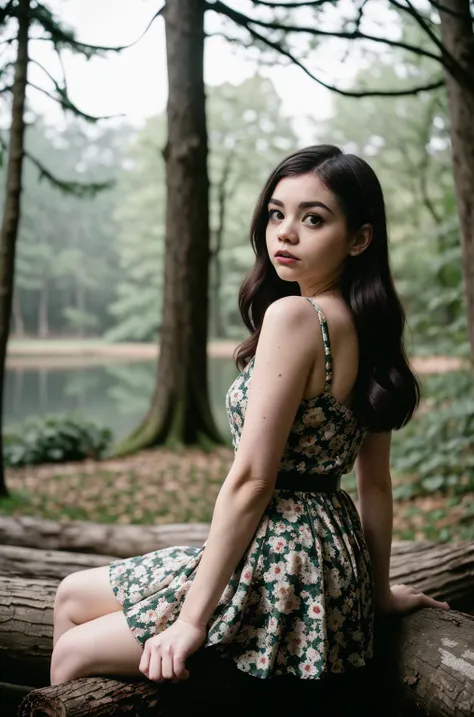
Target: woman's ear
(361, 240)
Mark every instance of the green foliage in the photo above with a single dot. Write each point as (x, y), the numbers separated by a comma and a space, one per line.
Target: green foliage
(140, 216)
(431, 283)
(55, 439)
(248, 134)
(406, 141)
(66, 264)
(436, 450)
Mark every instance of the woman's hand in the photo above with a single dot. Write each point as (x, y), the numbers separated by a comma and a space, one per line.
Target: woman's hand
(404, 598)
(164, 655)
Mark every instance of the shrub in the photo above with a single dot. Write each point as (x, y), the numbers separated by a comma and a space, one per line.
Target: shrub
(55, 439)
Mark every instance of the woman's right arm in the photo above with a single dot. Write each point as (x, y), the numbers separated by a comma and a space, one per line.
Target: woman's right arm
(374, 485)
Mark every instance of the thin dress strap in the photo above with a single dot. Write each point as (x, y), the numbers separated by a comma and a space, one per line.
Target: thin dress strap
(327, 344)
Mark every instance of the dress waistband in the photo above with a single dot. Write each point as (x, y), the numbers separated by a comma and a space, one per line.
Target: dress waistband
(309, 484)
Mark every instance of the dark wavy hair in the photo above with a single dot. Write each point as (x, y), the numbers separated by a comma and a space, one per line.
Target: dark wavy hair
(387, 392)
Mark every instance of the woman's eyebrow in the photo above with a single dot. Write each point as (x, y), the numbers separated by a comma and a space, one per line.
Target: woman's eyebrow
(302, 205)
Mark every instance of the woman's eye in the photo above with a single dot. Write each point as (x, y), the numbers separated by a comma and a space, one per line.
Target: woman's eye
(314, 220)
(275, 214)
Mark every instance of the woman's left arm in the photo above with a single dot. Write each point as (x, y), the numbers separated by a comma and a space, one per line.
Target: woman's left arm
(286, 351)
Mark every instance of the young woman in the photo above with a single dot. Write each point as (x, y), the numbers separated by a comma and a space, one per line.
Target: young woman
(290, 576)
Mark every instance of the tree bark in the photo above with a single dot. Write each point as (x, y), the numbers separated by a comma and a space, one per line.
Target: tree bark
(43, 306)
(26, 630)
(458, 38)
(80, 536)
(18, 315)
(444, 571)
(430, 654)
(431, 663)
(46, 564)
(221, 188)
(11, 212)
(180, 412)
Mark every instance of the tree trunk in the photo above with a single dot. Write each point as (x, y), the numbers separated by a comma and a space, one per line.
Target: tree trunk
(26, 630)
(11, 212)
(106, 539)
(219, 327)
(432, 663)
(458, 38)
(43, 306)
(18, 315)
(180, 411)
(80, 297)
(46, 564)
(444, 571)
(43, 389)
(422, 647)
(94, 696)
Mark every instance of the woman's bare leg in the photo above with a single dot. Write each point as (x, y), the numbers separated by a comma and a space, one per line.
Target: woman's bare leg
(81, 597)
(102, 646)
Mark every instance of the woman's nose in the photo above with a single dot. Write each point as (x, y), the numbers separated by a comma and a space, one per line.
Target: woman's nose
(287, 233)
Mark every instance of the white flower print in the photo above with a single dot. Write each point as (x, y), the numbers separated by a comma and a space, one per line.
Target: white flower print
(301, 600)
(335, 619)
(316, 610)
(305, 535)
(356, 660)
(296, 643)
(308, 669)
(276, 572)
(329, 431)
(278, 544)
(295, 560)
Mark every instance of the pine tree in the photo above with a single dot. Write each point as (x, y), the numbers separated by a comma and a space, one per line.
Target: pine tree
(179, 411)
(17, 19)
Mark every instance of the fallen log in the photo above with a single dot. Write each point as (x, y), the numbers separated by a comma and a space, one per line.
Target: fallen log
(26, 630)
(431, 671)
(430, 665)
(444, 571)
(46, 564)
(434, 659)
(123, 541)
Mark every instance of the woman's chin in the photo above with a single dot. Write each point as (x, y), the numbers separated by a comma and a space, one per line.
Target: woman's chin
(286, 273)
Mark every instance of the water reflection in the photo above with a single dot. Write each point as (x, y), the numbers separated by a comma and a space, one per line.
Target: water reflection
(114, 394)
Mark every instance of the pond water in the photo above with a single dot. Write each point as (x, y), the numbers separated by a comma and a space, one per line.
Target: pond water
(112, 393)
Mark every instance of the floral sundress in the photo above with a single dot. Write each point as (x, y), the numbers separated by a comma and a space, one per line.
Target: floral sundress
(300, 601)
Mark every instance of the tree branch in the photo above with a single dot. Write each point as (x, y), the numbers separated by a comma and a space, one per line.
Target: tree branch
(77, 189)
(292, 5)
(447, 10)
(244, 20)
(447, 59)
(61, 90)
(8, 40)
(59, 36)
(66, 104)
(410, 10)
(346, 93)
(5, 12)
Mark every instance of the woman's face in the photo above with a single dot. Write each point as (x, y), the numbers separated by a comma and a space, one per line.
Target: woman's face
(306, 221)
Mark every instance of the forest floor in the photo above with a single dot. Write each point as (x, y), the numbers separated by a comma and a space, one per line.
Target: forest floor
(160, 486)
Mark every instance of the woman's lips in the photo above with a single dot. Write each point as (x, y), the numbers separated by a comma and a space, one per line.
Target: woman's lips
(286, 259)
